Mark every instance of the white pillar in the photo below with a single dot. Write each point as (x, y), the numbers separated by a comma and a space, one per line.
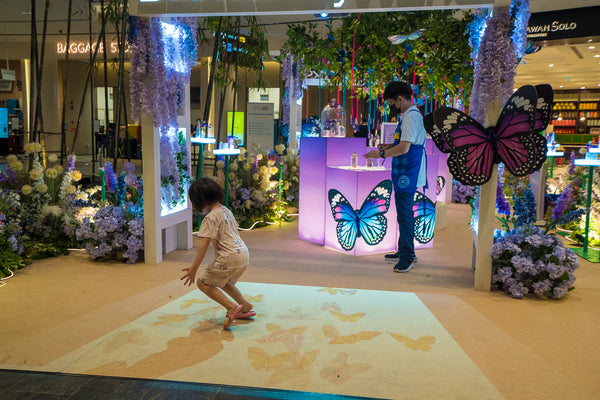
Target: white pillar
(177, 227)
(483, 236)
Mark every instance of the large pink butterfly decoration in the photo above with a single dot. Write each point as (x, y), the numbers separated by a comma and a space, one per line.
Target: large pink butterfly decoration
(516, 140)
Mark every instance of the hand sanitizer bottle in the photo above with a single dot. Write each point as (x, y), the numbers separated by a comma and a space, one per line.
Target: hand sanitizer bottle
(354, 161)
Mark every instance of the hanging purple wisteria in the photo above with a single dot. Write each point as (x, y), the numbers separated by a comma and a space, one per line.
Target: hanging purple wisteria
(162, 54)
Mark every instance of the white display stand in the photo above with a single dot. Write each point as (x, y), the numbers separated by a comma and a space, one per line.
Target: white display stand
(162, 234)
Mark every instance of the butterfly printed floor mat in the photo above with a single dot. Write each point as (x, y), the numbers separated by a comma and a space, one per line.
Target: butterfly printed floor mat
(343, 341)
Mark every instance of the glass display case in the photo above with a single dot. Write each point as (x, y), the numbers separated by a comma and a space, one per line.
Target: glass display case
(333, 120)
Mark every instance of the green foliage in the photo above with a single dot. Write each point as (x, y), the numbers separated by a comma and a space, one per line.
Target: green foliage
(441, 57)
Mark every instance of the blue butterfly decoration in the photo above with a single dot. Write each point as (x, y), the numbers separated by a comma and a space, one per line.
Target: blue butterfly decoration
(398, 39)
(368, 222)
(424, 214)
(441, 182)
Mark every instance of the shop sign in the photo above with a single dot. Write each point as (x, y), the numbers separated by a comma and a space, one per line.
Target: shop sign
(85, 47)
(564, 24)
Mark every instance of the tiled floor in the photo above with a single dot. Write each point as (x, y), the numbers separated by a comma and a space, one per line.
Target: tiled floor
(29, 385)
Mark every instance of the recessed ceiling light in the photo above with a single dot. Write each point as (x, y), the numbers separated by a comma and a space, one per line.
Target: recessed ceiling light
(583, 87)
(551, 65)
(589, 40)
(599, 84)
(591, 47)
(597, 55)
(563, 86)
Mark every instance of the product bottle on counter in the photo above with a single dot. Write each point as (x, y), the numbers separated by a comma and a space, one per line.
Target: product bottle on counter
(354, 160)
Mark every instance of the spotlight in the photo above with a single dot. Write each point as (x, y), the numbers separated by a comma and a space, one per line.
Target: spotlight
(338, 4)
(322, 15)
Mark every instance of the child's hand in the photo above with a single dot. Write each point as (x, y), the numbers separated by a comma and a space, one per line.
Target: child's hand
(190, 274)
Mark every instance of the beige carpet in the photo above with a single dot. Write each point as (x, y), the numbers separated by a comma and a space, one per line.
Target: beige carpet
(75, 315)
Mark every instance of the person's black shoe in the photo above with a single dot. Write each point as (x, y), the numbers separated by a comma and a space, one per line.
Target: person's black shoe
(395, 257)
(405, 266)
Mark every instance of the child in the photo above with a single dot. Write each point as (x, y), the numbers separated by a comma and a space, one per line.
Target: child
(231, 254)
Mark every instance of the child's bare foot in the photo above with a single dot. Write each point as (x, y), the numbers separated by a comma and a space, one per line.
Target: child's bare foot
(247, 307)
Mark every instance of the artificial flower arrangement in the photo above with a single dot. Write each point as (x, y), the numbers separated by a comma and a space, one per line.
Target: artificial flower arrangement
(462, 194)
(116, 229)
(263, 184)
(526, 258)
(44, 210)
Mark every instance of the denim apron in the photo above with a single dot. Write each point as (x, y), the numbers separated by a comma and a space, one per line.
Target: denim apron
(406, 167)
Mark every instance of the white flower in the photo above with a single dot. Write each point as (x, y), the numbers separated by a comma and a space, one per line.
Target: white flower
(233, 167)
(52, 158)
(32, 148)
(251, 160)
(220, 164)
(51, 173)
(270, 163)
(71, 189)
(59, 168)
(16, 165)
(51, 210)
(86, 212)
(36, 174)
(274, 170)
(259, 156)
(280, 148)
(263, 169)
(42, 188)
(11, 158)
(255, 176)
(294, 169)
(247, 167)
(75, 175)
(26, 190)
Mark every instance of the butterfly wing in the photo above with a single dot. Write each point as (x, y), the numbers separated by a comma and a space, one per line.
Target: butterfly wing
(519, 146)
(543, 107)
(371, 220)
(441, 182)
(468, 143)
(435, 133)
(397, 39)
(424, 214)
(346, 217)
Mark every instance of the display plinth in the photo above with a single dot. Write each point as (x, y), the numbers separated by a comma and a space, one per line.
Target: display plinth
(355, 184)
(316, 155)
(324, 165)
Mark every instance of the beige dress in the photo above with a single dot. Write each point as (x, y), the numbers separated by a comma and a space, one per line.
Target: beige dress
(231, 253)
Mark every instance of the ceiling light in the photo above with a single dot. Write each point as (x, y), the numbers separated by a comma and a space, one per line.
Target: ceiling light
(323, 15)
(583, 87)
(563, 86)
(582, 118)
(597, 55)
(589, 40)
(591, 47)
(551, 65)
(338, 4)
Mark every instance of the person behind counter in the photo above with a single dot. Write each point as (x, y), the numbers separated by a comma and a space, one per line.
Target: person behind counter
(408, 168)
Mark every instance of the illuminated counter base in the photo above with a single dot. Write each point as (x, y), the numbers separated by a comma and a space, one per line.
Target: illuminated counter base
(324, 166)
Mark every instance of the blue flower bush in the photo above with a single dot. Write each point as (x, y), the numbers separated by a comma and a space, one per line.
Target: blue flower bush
(526, 259)
(462, 194)
(116, 229)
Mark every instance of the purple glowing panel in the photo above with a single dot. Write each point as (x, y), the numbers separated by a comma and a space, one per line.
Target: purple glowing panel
(361, 190)
(313, 197)
(316, 154)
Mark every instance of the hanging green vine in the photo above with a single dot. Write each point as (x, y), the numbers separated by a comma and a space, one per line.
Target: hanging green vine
(440, 56)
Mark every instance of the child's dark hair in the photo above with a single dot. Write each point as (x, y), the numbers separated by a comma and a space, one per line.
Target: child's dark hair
(204, 192)
(395, 89)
